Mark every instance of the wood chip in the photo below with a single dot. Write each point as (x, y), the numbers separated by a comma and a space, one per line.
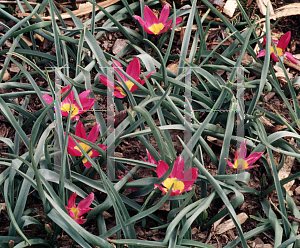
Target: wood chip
(79, 12)
(269, 96)
(230, 7)
(286, 170)
(3, 206)
(262, 5)
(6, 76)
(119, 45)
(284, 11)
(297, 190)
(227, 225)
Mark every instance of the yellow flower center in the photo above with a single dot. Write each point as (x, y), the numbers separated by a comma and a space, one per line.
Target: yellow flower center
(240, 164)
(156, 28)
(129, 85)
(178, 185)
(76, 212)
(85, 147)
(66, 108)
(279, 51)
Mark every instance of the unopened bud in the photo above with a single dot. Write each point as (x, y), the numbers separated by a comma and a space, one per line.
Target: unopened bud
(11, 244)
(48, 229)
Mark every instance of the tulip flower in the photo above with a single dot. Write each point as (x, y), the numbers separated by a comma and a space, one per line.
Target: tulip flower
(70, 102)
(280, 47)
(182, 181)
(150, 158)
(152, 25)
(74, 150)
(240, 160)
(133, 70)
(83, 207)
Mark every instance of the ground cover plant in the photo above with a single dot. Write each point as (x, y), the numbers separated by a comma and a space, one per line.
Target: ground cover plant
(165, 141)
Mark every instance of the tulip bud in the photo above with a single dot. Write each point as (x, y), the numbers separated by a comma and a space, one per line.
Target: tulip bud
(48, 229)
(11, 244)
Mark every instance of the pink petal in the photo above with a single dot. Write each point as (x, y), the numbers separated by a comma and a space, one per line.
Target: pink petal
(134, 69)
(86, 202)
(81, 220)
(118, 94)
(252, 166)
(230, 164)
(107, 82)
(84, 94)
(176, 192)
(103, 147)
(178, 168)
(254, 157)
(47, 98)
(274, 57)
(144, 25)
(87, 104)
(151, 158)
(242, 151)
(70, 97)
(119, 66)
(163, 189)
(87, 164)
(149, 16)
(161, 169)
(262, 53)
(72, 215)
(189, 177)
(72, 151)
(94, 133)
(170, 23)
(79, 131)
(291, 58)
(284, 41)
(164, 14)
(71, 202)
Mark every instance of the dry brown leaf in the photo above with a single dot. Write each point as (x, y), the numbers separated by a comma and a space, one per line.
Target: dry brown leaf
(227, 225)
(6, 76)
(286, 170)
(286, 10)
(79, 12)
(262, 5)
(280, 74)
(3, 206)
(291, 64)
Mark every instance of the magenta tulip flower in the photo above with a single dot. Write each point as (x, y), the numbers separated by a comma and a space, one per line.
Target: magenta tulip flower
(152, 25)
(240, 160)
(133, 70)
(280, 47)
(182, 181)
(74, 150)
(70, 102)
(83, 207)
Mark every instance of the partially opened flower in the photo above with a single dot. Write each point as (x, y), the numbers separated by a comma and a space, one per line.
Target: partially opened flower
(240, 160)
(133, 70)
(280, 47)
(70, 102)
(83, 207)
(182, 181)
(152, 25)
(74, 150)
